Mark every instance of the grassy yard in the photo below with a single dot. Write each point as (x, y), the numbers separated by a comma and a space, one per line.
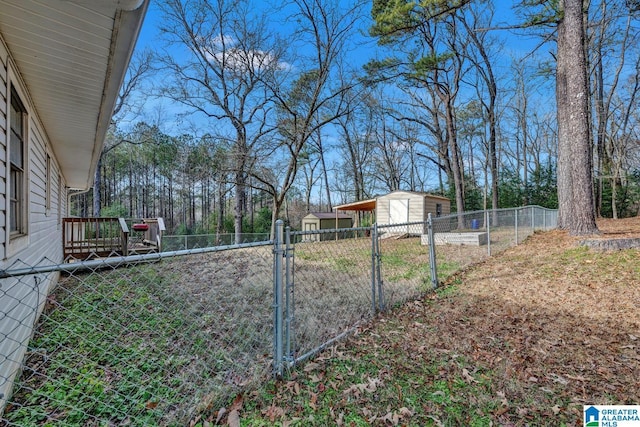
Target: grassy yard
(151, 344)
(525, 338)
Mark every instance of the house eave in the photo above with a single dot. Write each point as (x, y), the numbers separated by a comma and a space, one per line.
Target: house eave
(126, 29)
(72, 57)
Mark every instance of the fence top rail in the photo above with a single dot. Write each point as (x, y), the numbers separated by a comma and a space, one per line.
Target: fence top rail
(481, 212)
(328, 230)
(121, 260)
(404, 223)
(182, 236)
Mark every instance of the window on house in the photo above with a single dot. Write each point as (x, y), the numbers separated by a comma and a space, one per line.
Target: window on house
(438, 209)
(17, 144)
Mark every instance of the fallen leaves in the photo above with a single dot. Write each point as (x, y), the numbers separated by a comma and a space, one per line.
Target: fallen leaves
(467, 376)
(512, 351)
(273, 412)
(390, 418)
(370, 386)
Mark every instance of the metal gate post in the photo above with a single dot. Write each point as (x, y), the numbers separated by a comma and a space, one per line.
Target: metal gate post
(379, 273)
(432, 253)
(278, 253)
(289, 296)
(374, 237)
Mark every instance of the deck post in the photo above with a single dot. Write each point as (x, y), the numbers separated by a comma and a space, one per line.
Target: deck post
(124, 230)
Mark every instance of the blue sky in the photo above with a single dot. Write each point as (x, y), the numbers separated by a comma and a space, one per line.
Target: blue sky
(166, 112)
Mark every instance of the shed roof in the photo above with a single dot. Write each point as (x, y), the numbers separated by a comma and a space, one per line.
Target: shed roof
(363, 205)
(72, 56)
(370, 204)
(420, 193)
(328, 215)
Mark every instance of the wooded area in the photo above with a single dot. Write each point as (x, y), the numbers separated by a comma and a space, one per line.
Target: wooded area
(276, 112)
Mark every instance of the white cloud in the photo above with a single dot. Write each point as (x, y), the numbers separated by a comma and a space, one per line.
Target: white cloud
(227, 54)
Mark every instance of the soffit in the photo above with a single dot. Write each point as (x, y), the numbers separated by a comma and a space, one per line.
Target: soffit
(72, 56)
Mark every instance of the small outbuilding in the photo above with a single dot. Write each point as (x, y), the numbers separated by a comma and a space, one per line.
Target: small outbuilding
(325, 221)
(402, 207)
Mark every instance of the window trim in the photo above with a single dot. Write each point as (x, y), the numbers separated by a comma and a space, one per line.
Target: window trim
(18, 185)
(17, 241)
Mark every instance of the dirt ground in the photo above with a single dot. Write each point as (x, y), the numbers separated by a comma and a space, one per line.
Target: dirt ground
(616, 228)
(557, 321)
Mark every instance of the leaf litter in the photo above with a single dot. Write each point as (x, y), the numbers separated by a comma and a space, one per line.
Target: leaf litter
(523, 338)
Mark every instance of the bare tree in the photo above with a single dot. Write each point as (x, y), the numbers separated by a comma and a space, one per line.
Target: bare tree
(611, 39)
(230, 56)
(478, 55)
(313, 94)
(357, 130)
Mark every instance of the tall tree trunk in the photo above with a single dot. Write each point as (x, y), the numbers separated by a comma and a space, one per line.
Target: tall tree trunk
(601, 119)
(565, 195)
(574, 146)
(220, 212)
(278, 201)
(457, 171)
(239, 205)
(250, 206)
(325, 175)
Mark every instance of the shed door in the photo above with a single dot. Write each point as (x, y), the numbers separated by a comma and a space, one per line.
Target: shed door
(311, 226)
(398, 214)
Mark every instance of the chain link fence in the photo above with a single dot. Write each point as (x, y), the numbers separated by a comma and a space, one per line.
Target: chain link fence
(195, 241)
(169, 338)
(144, 340)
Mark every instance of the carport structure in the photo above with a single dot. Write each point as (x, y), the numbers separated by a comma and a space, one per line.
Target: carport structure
(361, 206)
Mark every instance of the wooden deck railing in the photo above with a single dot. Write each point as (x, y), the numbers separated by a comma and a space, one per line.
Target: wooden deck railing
(85, 238)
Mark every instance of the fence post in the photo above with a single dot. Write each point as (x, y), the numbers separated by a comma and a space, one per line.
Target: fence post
(289, 295)
(278, 253)
(379, 273)
(533, 219)
(374, 237)
(516, 211)
(488, 217)
(432, 253)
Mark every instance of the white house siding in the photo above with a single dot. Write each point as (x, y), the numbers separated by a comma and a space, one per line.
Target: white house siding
(22, 298)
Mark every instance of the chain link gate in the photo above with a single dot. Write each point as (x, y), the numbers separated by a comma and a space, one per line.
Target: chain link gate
(325, 286)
